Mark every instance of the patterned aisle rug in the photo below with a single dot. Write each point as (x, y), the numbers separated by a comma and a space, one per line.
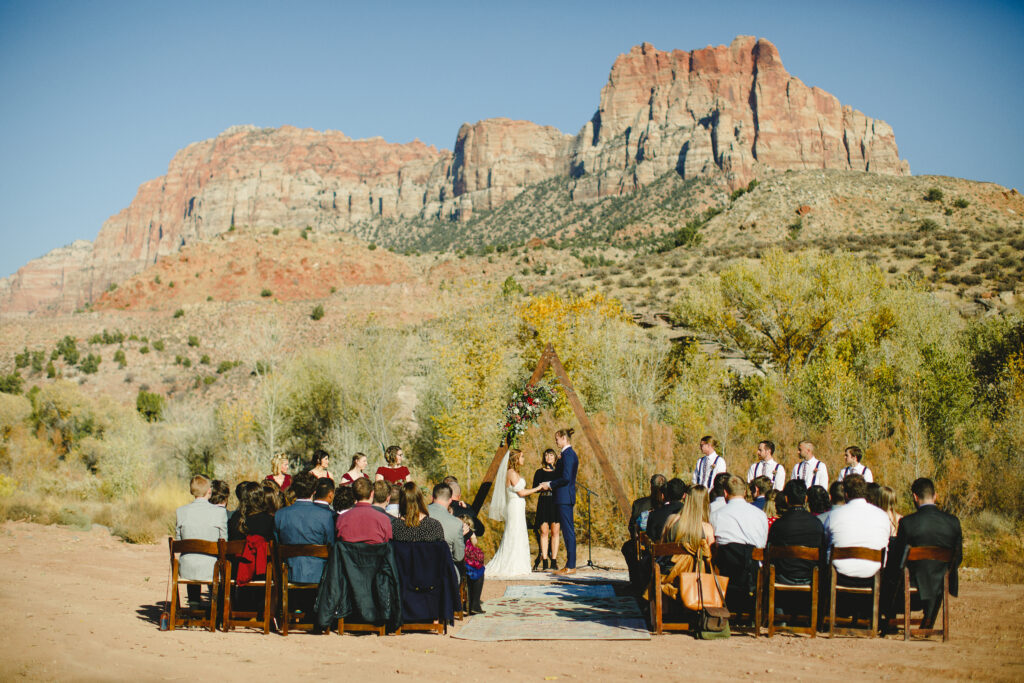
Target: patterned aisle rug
(582, 575)
(557, 612)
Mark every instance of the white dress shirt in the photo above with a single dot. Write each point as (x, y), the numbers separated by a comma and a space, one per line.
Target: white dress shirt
(768, 468)
(708, 467)
(858, 524)
(740, 522)
(860, 469)
(716, 504)
(813, 472)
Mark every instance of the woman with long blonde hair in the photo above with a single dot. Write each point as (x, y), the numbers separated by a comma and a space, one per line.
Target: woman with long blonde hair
(279, 471)
(691, 529)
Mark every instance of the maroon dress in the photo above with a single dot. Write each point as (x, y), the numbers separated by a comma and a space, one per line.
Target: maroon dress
(394, 475)
(287, 480)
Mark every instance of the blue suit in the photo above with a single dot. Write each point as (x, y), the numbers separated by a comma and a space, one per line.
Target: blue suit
(563, 487)
(304, 523)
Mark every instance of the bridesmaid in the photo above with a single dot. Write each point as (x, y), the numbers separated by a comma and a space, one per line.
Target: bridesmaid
(359, 463)
(320, 462)
(279, 472)
(546, 520)
(395, 472)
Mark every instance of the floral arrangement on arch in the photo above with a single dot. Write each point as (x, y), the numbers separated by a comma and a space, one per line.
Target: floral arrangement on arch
(524, 409)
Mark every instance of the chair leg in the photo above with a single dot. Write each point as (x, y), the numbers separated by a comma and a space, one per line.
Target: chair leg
(771, 601)
(214, 589)
(175, 599)
(268, 594)
(906, 604)
(814, 603)
(655, 588)
(285, 616)
(875, 593)
(226, 622)
(945, 606)
(758, 598)
(832, 605)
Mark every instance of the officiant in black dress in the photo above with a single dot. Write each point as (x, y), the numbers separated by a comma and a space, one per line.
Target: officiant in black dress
(546, 521)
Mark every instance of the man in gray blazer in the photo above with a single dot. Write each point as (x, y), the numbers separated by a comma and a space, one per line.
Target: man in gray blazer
(199, 520)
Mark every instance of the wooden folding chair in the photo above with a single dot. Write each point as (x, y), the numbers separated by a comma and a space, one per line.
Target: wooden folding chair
(290, 618)
(914, 554)
(230, 557)
(193, 616)
(874, 591)
(463, 596)
(658, 623)
(757, 616)
(792, 552)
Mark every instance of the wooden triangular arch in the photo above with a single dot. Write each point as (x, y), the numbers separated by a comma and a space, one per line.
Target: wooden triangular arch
(550, 359)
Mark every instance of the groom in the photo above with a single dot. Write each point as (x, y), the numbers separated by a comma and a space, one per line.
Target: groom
(564, 487)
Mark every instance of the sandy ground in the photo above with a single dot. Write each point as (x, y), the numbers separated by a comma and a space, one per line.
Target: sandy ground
(82, 605)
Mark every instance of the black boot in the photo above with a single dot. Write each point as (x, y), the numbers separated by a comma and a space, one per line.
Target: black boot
(554, 564)
(536, 563)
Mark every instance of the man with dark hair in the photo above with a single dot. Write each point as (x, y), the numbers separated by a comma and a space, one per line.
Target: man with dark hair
(323, 494)
(853, 456)
(439, 510)
(858, 524)
(363, 523)
(739, 528)
(709, 464)
(837, 494)
(767, 467)
(381, 495)
(304, 523)
(929, 526)
(716, 495)
(796, 526)
(462, 509)
(675, 489)
(759, 488)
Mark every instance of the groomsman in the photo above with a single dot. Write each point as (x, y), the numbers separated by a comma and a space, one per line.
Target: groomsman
(767, 467)
(709, 465)
(810, 470)
(853, 456)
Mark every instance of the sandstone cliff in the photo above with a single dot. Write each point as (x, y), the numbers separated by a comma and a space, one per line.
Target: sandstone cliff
(722, 110)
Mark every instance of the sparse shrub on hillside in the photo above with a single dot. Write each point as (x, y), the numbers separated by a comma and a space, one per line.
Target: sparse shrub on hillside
(159, 345)
(276, 231)
(510, 287)
(933, 194)
(51, 371)
(318, 312)
(183, 361)
(112, 286)
(179, 313)
(204, 359)
(928, 225)
(120, 359)
(21, 360)
(226, 365)
(143, 350)
(67, 348)
(156, 279)
(193, 340)
(10, 383)
(371, 246)
(265, 293)
(90, 364)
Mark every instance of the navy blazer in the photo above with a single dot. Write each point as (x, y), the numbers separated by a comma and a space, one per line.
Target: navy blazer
(304, 523)
(564, 483)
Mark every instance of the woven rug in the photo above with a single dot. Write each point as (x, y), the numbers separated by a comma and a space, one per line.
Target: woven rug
(557, 612)
(582, 575)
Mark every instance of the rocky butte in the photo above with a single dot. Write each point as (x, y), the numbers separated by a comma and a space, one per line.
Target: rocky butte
(726, 110)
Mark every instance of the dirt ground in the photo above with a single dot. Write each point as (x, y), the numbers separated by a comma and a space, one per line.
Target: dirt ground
(82, 606)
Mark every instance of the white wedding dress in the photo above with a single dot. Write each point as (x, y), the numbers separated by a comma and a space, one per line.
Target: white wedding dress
(513, 556)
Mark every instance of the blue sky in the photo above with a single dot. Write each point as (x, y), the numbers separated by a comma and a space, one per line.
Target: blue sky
(96, 97)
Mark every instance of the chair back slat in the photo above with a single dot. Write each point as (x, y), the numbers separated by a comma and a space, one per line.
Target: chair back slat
(195, 546)
(662, 549)
(793, 552)
(285, 551)
(853, 553)
(927, 552)
(757, 554)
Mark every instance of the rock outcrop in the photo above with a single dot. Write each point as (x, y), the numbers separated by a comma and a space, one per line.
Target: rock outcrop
(722, 110)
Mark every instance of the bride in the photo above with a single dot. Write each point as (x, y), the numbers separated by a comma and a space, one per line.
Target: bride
(508, 503)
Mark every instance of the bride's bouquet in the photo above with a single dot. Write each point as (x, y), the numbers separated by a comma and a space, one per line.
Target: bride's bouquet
(524, 409)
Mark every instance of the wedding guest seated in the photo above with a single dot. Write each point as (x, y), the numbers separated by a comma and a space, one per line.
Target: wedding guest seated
(202, 521)
(874, 493)
(392, 506)
(381, 496)
(363, 523)
(394, 472)
(638, 563)
(716, 495)
(675, 489)
(887, 503)
(759, 487)
(356, 470)
(739, 528)
(240, 492)
(279, 471)
(796, 526)
(219, 493)
(323, 494)
(657, 500)
(414, 524)
(475, 569)
(773, 507)
(276, 498)
(344, 499)
(304, 523)
(463, 510)
(252, 516)
(439, 510)
(818, 501)
(837, 493)
(857, 524)
(691, 529)
(929, 526)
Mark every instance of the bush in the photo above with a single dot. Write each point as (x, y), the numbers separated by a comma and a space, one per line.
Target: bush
(927, 225)
(90, 365)
(371, 246)
(933, 194)
(69, 349)
(120, 359)
(317, 312)
(226, 365)
(266, 292)
(204, 359)
(179, 313)
(144, 350)
(149, 405)
(159, 345)
(961, 203)
(193, 340)
(10, 383)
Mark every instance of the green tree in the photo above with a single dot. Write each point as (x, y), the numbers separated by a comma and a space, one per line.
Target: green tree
(149, 405)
